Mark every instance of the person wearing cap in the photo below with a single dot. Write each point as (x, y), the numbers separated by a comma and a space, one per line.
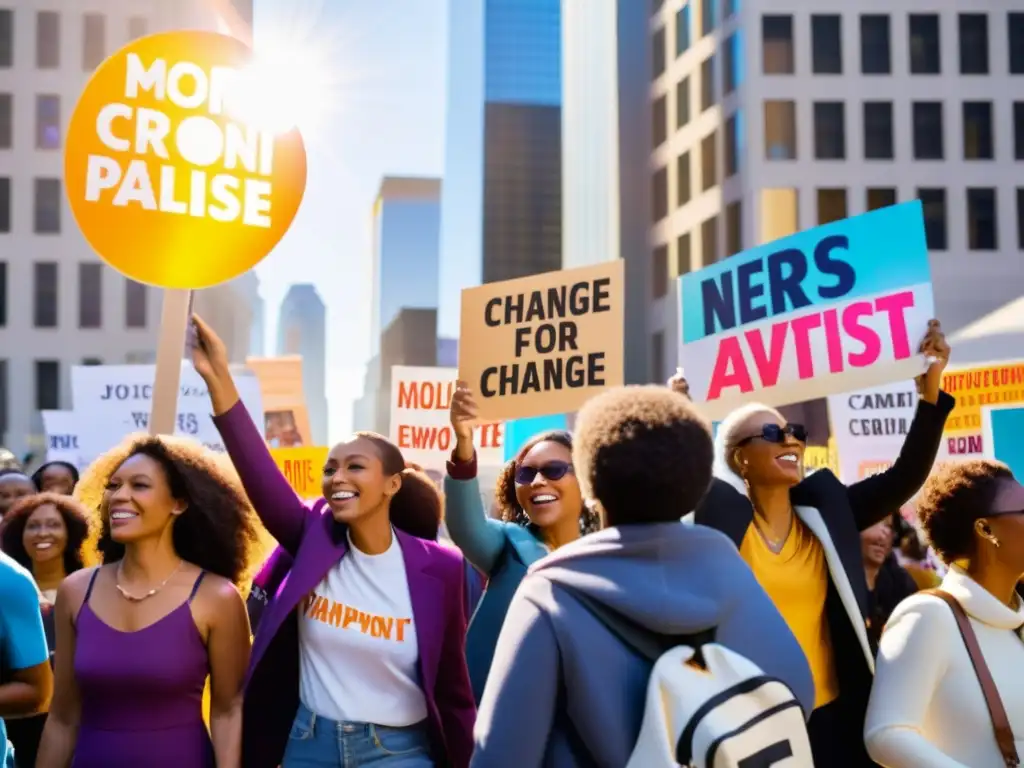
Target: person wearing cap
(927, 705)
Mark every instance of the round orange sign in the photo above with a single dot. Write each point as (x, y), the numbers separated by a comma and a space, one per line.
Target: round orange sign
(170, 180)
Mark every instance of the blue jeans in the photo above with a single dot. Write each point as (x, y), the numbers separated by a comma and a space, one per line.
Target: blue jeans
(316, 742)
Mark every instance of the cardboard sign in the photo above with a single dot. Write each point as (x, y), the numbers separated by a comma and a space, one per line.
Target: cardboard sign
(1002, 427)
(543, 344)
(61, 429)
(420, 423)
(869, 427)
(303, 468)
(838, 307)
(1000, 383)
(519, 431)
(168, 178)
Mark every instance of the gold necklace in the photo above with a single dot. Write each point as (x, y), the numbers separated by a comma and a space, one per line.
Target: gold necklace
(135, 598)
(775, 546)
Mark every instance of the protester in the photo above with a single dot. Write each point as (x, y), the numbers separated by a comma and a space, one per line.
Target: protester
(564, 690)
(56, 477)
(927, 706)
(541, 509)
(14, 485)
(801, 538)
(917, 560)
(137, 637)
(26, 681)
(392, 688)
(888, 584)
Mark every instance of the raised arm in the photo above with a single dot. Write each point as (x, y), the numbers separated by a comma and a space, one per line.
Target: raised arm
(480, 538)
(280, 509)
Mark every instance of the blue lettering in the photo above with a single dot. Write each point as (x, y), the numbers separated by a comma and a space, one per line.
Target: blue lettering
(787, 287)
(830, 265)
(719, 304)
(748, 291)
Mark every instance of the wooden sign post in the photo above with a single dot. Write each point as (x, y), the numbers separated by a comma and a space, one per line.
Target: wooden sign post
(174, 320)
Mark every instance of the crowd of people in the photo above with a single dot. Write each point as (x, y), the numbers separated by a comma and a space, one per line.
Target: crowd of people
(399, 624)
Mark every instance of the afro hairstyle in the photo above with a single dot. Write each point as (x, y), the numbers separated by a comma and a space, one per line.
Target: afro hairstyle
(80, 549)
(644, 453)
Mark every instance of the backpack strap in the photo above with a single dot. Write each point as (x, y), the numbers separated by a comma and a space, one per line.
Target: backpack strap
(1000, 722)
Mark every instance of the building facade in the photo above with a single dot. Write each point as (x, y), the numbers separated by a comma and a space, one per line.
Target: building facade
(59, 305)
(302, 330)
(501, 203)
(769, 118)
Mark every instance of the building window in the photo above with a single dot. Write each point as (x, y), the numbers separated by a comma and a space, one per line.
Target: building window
(47, 206)
(47, 385)
(47, 40)
(683, 30)
(933, 204)
(927, 117)
(5, 204)
(733, 228)
(829, 130)
(981, 219)
(94, 41)
(777, 45)
(135, 295)
(659, 195)
(6, 120)
(1018, 130)
(682, 102)
(707, 83)
(925, 48)
(658, 356)
(1020, 218)
(709, 161)
(973, 43)
(659, 280)
(708, 16)
(709, 240)
(47, 121)
(3, 296)
(92, 361)
(875, 56)
(6, 52)
(659, 122)
(137, 27)
(878, 130)
(780, 130)
(880, 197)
(684, 183)
(730, 55)
(831, 205)
(827, 44)
(732, 145)
(90, 295)
(1015, 33)
(977, 130)
(658, 53)
(684, 255)
(44, 304)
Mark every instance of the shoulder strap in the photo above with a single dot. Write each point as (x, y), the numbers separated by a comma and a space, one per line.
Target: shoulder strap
(1000, 722)
(92, 582)
(195, 587)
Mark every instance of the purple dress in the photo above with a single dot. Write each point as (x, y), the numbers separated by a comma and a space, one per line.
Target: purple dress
(142, 692)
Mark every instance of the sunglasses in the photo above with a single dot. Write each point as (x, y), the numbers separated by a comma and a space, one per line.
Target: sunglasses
(773, 433)
(553, 470)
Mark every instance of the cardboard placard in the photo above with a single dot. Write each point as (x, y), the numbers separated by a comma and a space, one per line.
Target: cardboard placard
(543, 344)
(303, 468)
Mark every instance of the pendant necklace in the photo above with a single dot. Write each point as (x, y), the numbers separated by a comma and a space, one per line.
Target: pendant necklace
(136, 598)
(775, 546)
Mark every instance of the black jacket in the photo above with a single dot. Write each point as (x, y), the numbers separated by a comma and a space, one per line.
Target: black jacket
(846, 511)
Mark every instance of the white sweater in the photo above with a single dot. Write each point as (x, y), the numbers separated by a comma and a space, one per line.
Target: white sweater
(927, 709)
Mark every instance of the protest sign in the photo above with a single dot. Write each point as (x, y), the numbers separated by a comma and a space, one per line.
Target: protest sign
(303, 468)
(1000, 383)
(1002, 427)
(831, 309)
(61, 429)
(869, 427)
(112, 401)
(420, 422)
(543, 344)
(519, 431)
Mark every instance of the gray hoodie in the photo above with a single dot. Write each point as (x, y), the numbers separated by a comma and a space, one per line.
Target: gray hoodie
(555, 662)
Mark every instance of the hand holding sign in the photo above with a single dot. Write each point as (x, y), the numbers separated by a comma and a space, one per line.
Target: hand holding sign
(463, 414)
(210, 359)
(936, 350)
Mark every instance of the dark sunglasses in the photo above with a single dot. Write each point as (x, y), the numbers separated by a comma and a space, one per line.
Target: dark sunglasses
(553, 470)
(773, 433)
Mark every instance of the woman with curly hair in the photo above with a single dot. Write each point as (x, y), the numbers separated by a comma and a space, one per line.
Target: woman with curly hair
(56, 477)
(359, 653)
(541, 509)
(137, 636)
(928, 706)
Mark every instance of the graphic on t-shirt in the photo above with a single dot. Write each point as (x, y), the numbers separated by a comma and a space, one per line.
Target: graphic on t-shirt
(341, 616)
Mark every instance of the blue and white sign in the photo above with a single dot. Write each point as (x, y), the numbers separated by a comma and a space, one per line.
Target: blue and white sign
(519, 431)
(1002, 428)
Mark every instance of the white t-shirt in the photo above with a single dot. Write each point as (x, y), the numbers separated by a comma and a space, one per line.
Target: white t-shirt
(357, 643)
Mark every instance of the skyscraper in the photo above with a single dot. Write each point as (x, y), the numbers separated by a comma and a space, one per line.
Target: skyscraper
(501, 203)
(301, 330)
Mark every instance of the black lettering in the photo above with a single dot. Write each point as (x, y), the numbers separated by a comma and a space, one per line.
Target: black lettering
(602, 295)
(121, 391)
(579, 299)
(556, 301)
(106, 393)
(553, 374)
(567, 332)
(486, 389)
(829, 265)
(878, 427)
(531, 379)
(787, 286)
(595, 369)
(719, 304)
(489, 317)
(536, 309)
(509, 384)
(514, 309)
(748, 290)
(545, 338)
(522, 339)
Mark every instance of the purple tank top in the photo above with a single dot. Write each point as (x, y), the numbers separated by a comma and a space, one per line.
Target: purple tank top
(141, 692)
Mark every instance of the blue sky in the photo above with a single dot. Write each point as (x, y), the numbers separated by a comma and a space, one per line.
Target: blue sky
(384, 110)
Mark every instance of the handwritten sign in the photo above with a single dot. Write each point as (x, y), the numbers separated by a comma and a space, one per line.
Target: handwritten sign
(999, 383)
(869, 427)
(303, 468)
(61, 429)
(834, 308)
(543, 344)
(420, 424)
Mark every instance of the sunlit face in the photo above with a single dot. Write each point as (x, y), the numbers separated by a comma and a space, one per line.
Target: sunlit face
(12, 488)
(546, 487)
(876, 543)
(57, 478)
(46, 536)
(762, 461)
(137, 501)
(354, 483)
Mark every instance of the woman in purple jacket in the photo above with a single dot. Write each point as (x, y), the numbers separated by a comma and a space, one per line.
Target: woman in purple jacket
(358, 658)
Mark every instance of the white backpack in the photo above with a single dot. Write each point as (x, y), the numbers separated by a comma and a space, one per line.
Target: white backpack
(710, 707)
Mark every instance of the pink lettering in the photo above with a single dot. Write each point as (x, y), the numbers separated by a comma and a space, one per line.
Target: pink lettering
(768, 364)
(865, 335)
(802, 327)
(833, 342)
(895, 306)
(730, 369)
